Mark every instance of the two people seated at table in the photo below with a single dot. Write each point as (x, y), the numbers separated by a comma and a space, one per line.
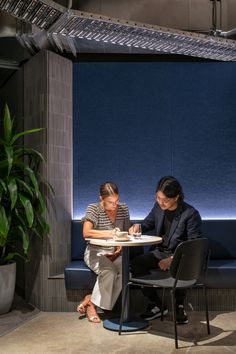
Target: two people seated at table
(171, 218)
(101, 221)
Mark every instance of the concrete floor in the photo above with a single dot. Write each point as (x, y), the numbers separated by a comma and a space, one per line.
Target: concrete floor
(57, 332)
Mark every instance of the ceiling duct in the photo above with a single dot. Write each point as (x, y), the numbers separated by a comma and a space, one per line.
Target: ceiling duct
(66, 28)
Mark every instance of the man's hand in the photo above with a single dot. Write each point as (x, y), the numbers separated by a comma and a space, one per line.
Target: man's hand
(165, 263)
(134, 228)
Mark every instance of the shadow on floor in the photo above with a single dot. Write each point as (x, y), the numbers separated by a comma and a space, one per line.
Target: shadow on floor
(19, 314)
(222, 327)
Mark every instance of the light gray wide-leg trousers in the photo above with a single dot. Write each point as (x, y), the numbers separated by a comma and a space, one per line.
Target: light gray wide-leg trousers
(109, 280)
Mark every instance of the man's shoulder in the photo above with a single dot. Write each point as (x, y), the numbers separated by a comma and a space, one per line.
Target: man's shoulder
(188, 208)
(186, 205)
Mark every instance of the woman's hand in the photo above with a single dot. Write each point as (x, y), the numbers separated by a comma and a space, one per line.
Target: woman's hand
(114, 231)
(90, 232)
(113, 256)
(165, 263)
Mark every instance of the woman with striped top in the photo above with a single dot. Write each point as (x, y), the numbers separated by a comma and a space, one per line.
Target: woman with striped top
(101, 221)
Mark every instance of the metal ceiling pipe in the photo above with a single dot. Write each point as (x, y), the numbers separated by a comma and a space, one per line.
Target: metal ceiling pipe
(226, 34)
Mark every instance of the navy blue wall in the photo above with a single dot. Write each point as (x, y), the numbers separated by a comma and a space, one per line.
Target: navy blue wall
(137, 121)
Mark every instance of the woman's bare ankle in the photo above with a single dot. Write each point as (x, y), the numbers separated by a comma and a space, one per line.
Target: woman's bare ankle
(92, 313)
(86, 300)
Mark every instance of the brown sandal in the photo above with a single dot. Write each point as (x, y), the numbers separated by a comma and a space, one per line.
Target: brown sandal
(93, 316)
(81, 308)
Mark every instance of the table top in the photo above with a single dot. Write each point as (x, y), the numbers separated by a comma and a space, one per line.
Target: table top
(141, 241)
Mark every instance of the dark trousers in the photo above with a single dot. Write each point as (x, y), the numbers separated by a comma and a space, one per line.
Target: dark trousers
(141, 265)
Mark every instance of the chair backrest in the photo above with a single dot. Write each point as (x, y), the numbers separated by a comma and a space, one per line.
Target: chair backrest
(189, 259)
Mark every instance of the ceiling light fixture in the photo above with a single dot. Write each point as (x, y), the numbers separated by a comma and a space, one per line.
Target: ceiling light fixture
(65, 27)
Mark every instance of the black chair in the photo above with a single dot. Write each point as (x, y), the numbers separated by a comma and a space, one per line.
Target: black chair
(189, 264)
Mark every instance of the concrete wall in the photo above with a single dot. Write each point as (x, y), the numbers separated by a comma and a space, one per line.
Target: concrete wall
(48, 104)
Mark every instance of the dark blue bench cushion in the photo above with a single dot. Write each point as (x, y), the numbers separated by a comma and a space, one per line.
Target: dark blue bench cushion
(79, 276)
(222, 236)
(78, 244)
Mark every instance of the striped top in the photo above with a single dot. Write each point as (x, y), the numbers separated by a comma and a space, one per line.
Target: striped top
(100, 220)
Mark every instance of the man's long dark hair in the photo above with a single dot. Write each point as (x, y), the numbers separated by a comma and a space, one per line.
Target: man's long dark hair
(171, 187)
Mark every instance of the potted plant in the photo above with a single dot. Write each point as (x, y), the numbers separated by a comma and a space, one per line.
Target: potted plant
(22, 204)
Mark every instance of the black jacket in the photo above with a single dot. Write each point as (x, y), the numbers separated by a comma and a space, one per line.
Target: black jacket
(185, 226)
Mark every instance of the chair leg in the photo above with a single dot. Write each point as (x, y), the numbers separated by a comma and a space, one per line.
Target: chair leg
(206, 309)
(162, 303)
(174, 317)
(124, 299)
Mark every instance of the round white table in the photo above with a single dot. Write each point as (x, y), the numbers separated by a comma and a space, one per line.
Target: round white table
(128, 324)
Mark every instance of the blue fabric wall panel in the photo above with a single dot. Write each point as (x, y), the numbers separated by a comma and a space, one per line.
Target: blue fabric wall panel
(204, 140)
(116, 136)
(134, 122)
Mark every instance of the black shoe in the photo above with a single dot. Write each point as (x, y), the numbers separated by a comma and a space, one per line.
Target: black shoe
(153, 311)
(181, 316)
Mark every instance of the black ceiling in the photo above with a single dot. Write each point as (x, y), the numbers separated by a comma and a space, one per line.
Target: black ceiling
(62, 35)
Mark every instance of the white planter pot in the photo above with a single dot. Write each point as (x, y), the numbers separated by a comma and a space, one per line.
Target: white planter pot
(7, 287)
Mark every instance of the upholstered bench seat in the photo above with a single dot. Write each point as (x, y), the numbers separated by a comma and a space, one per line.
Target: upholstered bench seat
(222, 265)
(79, 276)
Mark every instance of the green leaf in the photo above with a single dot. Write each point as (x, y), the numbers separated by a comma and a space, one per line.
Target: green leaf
(3, 189)
(26, 132)
(25, 238)
(3, 184)
(12, 187)
(12, 255)
(33, 179)
(7, 125)
(50, 188)
(9, 155)
(44, 225)
(4, 224)
(24, 186)
(29, 212)
(20, 218)
(42, 205)
(34, 153)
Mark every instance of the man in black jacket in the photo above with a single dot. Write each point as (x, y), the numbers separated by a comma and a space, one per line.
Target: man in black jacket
(175, 221)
